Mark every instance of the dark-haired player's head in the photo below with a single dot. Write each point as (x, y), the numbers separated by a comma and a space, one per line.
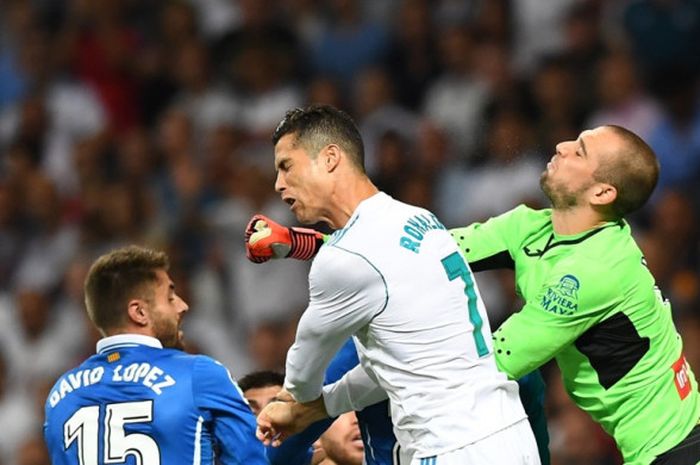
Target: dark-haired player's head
(260, 388)
(319, 159)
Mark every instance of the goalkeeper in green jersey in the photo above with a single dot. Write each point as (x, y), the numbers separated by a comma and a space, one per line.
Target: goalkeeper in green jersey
(590, 301)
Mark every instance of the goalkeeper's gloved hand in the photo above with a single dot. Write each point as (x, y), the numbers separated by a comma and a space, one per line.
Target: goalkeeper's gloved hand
(265, 239)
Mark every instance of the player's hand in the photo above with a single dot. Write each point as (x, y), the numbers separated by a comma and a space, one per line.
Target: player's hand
(266, 239)
(279, 420)
(276, 423)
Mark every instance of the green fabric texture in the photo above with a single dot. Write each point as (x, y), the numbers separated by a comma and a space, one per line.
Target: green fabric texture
(581, 293)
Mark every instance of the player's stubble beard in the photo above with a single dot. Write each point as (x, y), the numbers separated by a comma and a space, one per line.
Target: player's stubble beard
(168, 332)
(559, 194)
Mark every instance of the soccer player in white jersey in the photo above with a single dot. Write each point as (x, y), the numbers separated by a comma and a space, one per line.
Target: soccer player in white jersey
(408, 299)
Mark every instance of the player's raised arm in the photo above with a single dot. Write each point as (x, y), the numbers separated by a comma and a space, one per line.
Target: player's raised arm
(345, 294)
(266, 239)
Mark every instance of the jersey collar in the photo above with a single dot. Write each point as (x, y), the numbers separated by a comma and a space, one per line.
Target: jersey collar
(126, 340)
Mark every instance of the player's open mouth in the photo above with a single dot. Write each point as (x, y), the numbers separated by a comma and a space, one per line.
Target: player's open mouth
(290, 201)
(357, 440)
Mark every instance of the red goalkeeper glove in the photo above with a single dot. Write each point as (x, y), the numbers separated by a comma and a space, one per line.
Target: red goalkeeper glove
(265, 239)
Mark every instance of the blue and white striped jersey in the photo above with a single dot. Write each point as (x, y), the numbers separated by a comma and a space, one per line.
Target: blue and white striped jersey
(135, 402)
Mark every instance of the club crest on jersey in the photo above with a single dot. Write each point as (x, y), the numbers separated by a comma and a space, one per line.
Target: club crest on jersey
(562, 298)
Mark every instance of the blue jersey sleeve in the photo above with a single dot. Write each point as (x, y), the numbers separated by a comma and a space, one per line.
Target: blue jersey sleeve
(296, 450)
(532, 396)
(232, 422)
(345, 360)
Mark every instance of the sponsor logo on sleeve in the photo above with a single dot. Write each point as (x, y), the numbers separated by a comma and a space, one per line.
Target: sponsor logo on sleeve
(562, 298)
(681, 377)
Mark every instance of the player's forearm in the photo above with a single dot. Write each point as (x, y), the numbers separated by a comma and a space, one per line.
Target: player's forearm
(354, 391)
(309, 356)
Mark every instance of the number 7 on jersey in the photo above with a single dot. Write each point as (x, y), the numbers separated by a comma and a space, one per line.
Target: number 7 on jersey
(455, 267)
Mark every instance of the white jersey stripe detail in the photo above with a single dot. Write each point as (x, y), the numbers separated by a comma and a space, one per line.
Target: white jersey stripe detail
(197, 459)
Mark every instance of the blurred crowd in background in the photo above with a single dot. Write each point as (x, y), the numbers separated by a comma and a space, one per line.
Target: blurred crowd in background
(149, 122)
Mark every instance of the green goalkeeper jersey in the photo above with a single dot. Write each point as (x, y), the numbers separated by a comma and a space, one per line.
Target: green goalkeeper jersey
(591, 303)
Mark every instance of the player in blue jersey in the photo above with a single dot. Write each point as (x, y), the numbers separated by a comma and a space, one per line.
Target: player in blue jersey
(141, 399)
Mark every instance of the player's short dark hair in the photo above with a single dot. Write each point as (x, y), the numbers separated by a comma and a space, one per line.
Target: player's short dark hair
(633, 171)
(117, 277)
(261, 379)
(317, 126)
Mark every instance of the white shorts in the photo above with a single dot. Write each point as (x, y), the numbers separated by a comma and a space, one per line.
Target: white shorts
(514, 445)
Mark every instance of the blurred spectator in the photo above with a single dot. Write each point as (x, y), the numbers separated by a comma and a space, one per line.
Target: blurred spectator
(676, 138)
(16, 414)
(508, 175)
(37, 340)
(622, 99)
(674, 263)
(412, 56)
(51, 241)
(584, 47)
(205, 102)
(456, 99)
(664, 33)
(265, 88)
(349, 43)
(33, 451)
(11, 237)
(393, 162)
(493, 66)
(324, 90)
(269, 342)
(538, 31)
(16, 26)
(556, 110)
(689, 325)
(215, 17)
(104, 46)
(378, 112)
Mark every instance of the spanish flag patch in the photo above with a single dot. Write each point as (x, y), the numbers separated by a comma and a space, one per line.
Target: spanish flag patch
(113, 357)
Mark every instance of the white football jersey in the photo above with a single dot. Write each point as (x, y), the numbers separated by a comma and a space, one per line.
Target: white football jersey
(395, 280)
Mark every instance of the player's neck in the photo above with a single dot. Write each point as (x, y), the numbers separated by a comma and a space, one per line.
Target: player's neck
(575, 220)
(347, 198)
(132, 329)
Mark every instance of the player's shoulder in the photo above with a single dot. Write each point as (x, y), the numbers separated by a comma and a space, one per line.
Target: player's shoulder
(90, 363)
(344, 265)
(525, 213)
(604, 251)
(379, 220)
